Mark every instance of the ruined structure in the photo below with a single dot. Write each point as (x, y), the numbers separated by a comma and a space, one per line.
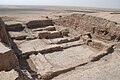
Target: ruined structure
(7, 55)
(49, 49)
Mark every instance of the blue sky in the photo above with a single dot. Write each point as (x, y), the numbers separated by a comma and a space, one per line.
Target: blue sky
(84, 3)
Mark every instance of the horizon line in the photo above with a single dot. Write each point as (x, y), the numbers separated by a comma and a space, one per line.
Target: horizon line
(58, 6)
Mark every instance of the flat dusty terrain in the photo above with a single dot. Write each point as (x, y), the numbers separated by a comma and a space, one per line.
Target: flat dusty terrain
(27, 13)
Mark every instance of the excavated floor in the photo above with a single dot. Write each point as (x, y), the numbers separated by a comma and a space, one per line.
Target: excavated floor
(54, 54)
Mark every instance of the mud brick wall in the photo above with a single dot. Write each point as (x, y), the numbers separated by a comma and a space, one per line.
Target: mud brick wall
(39, 23)
(14, 27)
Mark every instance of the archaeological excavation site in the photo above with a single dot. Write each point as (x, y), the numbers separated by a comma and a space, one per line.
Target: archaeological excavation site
(72, 47)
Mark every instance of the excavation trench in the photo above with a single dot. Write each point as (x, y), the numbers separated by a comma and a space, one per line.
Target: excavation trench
(48, 48)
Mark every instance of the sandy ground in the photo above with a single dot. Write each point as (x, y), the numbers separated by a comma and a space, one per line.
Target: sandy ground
(13, 14)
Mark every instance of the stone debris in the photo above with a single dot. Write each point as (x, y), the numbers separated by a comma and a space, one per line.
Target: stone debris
(64, 32)
(10, 75)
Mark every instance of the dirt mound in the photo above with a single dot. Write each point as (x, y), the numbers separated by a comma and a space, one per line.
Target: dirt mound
(99, 27)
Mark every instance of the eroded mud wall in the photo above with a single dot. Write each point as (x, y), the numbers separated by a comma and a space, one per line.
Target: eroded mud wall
(99, 27)
(4, 37)
(7, 55)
